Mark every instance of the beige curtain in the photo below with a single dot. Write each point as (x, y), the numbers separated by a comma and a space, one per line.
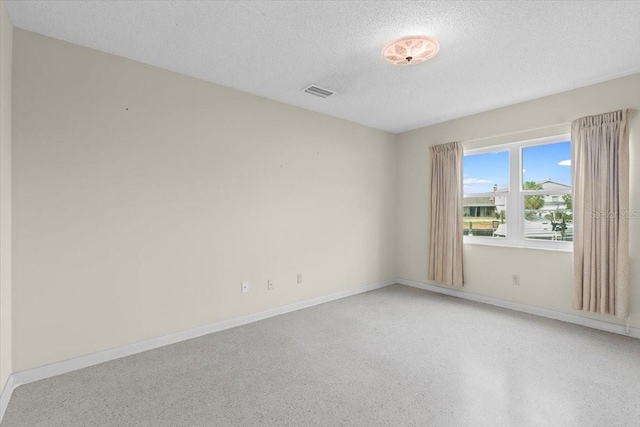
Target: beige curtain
(601, 213)
(445, 246)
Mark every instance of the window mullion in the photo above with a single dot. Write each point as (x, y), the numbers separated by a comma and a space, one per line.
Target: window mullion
(513, 206)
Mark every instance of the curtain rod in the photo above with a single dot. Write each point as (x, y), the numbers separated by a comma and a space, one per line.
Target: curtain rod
(515, 132)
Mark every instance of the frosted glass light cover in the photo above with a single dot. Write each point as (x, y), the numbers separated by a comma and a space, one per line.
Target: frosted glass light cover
(410, 50)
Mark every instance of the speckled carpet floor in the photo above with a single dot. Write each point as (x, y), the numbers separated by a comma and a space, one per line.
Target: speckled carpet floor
(392, 357)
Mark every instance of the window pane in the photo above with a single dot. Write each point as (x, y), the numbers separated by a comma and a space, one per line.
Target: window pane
(485, 216)
(486, 172)
(547, 167)
(548, 217)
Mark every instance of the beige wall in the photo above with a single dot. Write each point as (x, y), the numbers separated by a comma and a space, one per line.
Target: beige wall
(143, 198)
(545, 275)
(6, 46)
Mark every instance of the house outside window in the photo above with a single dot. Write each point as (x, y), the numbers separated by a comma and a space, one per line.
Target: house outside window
(519, 194)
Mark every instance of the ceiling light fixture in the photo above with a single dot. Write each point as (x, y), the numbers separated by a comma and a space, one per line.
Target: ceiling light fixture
(410, 50)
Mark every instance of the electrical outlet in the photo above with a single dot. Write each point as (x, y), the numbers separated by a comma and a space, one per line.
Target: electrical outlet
(270, 285)
(244, 288)
(299, 278)
(515, 280)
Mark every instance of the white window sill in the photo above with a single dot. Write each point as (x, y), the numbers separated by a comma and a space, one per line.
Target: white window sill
(546, 247)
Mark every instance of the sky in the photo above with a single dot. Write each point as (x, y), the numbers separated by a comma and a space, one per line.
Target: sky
(539, 163)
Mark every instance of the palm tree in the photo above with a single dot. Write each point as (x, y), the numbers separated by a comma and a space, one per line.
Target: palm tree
(532, 202)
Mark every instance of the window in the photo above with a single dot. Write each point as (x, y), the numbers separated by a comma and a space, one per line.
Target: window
(519, 194)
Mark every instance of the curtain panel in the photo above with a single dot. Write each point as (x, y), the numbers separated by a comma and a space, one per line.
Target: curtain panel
(445, 245)
(601, 213)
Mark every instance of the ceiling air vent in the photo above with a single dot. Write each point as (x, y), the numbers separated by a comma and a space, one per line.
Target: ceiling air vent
(318, 91)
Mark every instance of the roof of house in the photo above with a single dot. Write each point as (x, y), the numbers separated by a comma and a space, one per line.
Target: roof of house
(547, 184)
(479, 201)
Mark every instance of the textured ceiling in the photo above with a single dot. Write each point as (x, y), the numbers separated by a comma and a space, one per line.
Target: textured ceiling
(492, 54)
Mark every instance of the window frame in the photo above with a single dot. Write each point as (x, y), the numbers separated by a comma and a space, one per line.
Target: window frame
(514, 197)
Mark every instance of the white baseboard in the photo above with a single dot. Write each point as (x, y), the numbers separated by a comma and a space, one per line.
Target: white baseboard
(551, 314)
(5, 396)
(58, 368)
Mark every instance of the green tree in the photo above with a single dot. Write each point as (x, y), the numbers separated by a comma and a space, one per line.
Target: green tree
(532, 202)
(568, 201)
